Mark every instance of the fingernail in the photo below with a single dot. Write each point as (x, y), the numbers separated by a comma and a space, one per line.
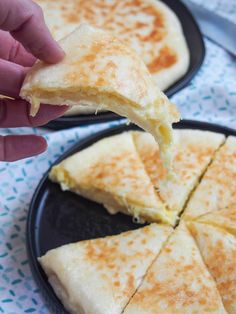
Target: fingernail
(60, 53)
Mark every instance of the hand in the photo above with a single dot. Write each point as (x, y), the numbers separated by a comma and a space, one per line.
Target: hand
(23, 38)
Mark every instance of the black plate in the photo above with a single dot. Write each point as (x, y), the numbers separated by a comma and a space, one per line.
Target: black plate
(197, 51)
(56, 218)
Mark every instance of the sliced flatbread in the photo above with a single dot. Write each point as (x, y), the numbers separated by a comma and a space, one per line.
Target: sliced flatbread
(100, 70)
(218, 249)
(217, 189)
(100, 276)
(110, 172)
(148, 26)
(224, 219)
(177, 282)
(193, 150)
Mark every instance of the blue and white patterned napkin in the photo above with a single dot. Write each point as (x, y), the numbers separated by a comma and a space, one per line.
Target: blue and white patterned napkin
(211, 96)
(217, 20)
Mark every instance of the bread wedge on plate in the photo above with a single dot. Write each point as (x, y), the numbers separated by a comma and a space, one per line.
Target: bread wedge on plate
(217, 189)
(218, 249)
(177, 282)
(100, 70)
(193, 150)
(111, 173)
(100, 276)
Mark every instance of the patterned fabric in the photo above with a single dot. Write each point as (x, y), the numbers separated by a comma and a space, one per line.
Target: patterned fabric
(216, 19)
(211, 96)
(222, 8)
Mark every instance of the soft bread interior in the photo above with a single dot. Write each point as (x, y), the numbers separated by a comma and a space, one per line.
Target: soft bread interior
(139, 211)
(61, 292)
(145, 117)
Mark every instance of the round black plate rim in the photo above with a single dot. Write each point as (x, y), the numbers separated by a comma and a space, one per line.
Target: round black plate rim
(70, 121)
(32, 214)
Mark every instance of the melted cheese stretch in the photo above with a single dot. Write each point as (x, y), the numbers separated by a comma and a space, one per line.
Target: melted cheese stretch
(35, 105)
(153, 117)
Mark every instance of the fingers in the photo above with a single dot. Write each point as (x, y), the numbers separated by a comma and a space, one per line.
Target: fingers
(11, 78)
(24, 19)
(13, 51)
(15, 147)
(15, 113)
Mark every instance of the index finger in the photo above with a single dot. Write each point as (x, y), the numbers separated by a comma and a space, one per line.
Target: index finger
(24, 20)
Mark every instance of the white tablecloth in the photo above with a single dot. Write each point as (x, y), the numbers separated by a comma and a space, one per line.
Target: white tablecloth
(211, 96)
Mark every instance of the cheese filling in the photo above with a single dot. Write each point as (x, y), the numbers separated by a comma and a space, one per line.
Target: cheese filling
(155, 118)
(113, 204)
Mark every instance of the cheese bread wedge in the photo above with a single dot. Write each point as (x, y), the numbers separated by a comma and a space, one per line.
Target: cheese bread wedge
(218, 249)
(100, 276)
(193, 150)
(217, 189)
(100, 70)
(110, 172)
(177, 282)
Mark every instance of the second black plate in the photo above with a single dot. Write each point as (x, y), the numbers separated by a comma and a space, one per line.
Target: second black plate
(197, 51)
(56, 217)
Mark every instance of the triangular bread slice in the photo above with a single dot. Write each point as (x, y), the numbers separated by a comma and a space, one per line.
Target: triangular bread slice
(218, 249)
(217, 189)
(110, 172)
(177, 282)
(100, 276)
(193, 150)
(98, 69)
(224, 219)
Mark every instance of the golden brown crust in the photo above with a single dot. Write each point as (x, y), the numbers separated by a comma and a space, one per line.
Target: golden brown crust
(177, 282)
(218, 249)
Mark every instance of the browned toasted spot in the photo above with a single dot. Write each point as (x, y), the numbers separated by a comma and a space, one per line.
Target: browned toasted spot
(72, 17)
(202, 301)
(100, 81)
(155, 35)
(168, 250)
(133, 3)
(158, 17)
(117, 283)
(167, 57)
(140, 25)
(111, 266)
(63, 7)
(130, 283)
(88, 58)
